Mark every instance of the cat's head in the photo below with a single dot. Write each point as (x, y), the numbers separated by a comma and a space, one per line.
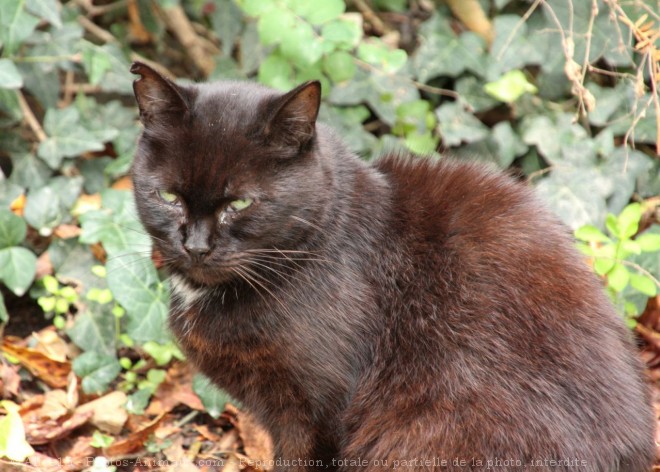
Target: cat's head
(226, 173)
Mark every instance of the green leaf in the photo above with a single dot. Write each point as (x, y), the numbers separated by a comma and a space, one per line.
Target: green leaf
(94, 330)
(300, 44)
(12, 229)
(17, 268)
(97, 62)
(590, 233)
(116, 225)
(612, 225)
(67, 137)
(101, 440)
(46, 9)
(603, 266)
(628, 220)
(138, 401)
(213, 399)
(643, 284)
(443, 53)
(342, 33)
(134, 283)
(10, 77)
(16, 25)
(256, 7)
(509, 145)
(339, 66)
(276, 72)
(13, 443)
(618, 277)
(97, 371)
(4, 315)
(270, 26)
(376, 53)
(43, 210)
(162, 353)
(318, 13)
(510, 87)
(457, 125)
(649, 242)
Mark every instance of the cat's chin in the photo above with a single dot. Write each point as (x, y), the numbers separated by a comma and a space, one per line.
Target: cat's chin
(206, 277)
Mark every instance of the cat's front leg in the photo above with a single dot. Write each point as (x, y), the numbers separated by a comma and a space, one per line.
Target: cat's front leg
(297, 448)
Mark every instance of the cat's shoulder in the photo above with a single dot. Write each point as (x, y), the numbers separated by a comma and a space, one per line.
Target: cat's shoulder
(468, 197)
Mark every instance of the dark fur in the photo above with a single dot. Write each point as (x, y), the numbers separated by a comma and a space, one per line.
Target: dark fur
(435, 312)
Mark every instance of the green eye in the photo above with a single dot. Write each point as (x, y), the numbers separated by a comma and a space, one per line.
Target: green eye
(238, 205)
(168, 197)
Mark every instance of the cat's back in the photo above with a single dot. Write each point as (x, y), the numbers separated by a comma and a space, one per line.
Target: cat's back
(488, 284)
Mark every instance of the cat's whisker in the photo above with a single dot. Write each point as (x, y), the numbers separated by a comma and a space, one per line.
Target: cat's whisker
(309, 223)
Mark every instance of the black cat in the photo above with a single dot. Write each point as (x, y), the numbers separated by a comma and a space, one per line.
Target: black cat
(407, 313)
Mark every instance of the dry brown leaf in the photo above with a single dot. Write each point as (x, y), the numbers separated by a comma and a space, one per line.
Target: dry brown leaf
(18, 205)
(49, 430)
(125, 183)
(10, 380)
(55, 405)
(177, 456)
(44, 266)
(51, 344)
(135, 441)
(65, 231)
(75, 453)
(206, 433)
(45, 463)
(174, 390)
(108, 413)
(51, 371)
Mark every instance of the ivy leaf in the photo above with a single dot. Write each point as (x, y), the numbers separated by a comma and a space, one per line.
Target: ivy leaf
(16, 25)
(270, 26)
(4, 315)
(12, 229)
(97, 62)
(10, 77)
(94, 330)
(49, 206)
(575, 196)
(339, 66)
(318, 12)
(66, 137)
(457, 125)
(508, 53)
(134, 282)
(213, 398)
(342, 33)
(46, 9)
(17, 268)
(276, 71)
(300, 44)
(509, 144)
(97, 370)
(443, 53)
(115, 225)
(510, 87)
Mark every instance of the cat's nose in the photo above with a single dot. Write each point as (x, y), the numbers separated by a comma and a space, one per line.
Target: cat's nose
(196, 251)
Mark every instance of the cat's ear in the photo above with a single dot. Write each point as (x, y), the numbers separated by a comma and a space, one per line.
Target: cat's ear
(157, 96)
(293, 119)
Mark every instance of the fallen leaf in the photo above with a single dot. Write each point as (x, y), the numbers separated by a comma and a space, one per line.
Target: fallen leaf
(55, 405)
(257, 443)
(50, 430)
(174, 390)
(10, 380)
(51, 344)
(75, 453)
(65, 231)
(13, 437)
(125, 183)
(135, 441)
(18, 205)
(108, 412)
(44, 266)
(206, 433)
(51, 371)
(45, 463)
(175, 454)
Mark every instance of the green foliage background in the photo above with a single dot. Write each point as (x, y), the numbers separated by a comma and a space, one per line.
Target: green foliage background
(418, 79)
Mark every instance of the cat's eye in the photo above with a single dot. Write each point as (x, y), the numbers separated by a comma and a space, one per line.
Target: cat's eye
(239, 205)
(168, 197)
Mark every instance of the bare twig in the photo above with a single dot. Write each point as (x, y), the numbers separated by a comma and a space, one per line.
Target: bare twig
(179, 24)
(96, 30)
(516, 28)
(31, 120)
(368, 14)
